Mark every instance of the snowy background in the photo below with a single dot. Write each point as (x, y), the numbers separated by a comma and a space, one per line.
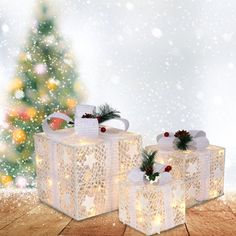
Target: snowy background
(166, 65)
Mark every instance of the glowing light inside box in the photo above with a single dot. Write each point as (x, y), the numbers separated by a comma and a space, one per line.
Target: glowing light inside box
(130, 142)
(49, 182)
(214, 193)
(92, 211)
(221, 152)
(187, 151)
(157, 220)
(38, 160)
(84, 142)
(140, 219)
(139, 207)
(174, 204)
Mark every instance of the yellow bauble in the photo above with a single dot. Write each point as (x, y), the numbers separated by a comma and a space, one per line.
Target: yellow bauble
(71, 103)
(19, 136)
(31, 112)
(52, 84)
(6, 180)
(16, 84)
(13, 113)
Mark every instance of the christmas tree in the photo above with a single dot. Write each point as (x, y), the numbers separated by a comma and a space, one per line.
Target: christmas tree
(46, 81)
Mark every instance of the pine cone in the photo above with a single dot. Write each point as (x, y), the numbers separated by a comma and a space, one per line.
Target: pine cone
(182, 133)
(87, 115)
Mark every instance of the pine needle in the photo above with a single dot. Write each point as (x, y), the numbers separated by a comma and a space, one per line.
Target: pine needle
(105, 112)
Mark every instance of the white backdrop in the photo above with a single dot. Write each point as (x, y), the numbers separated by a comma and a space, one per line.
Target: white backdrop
(166, 65)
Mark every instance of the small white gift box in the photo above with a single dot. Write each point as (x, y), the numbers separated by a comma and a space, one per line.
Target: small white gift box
(152, 208)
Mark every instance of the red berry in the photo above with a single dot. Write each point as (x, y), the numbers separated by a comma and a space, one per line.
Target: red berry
(168, 168)
(166, 134)
(103, 129)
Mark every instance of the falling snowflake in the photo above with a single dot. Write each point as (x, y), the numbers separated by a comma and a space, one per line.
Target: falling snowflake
(157, 33)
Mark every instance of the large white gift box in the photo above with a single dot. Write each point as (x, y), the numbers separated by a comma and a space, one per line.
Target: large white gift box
(201, 169)
(152, 208)
(80, 176)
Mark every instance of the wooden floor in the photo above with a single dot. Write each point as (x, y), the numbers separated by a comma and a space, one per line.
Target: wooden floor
(22, 214)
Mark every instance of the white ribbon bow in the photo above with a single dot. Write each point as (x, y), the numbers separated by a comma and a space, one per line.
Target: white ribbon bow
(199, 141)
(84, 127)
(138, 177)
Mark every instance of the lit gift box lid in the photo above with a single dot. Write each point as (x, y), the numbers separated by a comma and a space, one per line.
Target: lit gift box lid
(182, 140)
(150, 172)
(86, 125)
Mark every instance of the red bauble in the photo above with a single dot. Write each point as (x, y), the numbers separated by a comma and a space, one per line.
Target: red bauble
(24, 116)
(56, 123)
(103, 129)
(168, 168)
(166, 134)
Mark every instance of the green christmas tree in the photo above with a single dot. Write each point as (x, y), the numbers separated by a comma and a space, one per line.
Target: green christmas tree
(46, 81)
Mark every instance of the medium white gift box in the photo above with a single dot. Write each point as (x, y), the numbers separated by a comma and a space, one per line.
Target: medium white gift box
(79, 175)
(202, 169)
(152, 208)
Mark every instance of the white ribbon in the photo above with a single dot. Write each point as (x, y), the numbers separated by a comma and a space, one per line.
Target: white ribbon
(124, 121)
(47, 129)
(199, 141)
(54, 174)
(86, 127)
(204, 166)
(169, 216)
(83, 127)
(138, 177)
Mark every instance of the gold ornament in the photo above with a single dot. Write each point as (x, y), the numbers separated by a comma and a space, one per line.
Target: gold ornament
(31, 112)
(16, 84)
(12, 112)
(6, 180)
(19, 136)
(52, 84)
(71, 103)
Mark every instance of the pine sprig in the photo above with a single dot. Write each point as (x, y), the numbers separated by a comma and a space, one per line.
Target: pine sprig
(105, 112)
(184, 138)
(148, 162)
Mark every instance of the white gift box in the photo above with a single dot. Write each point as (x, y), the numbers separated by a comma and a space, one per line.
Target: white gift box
(202, 171)
(80, 176)
(152, 208)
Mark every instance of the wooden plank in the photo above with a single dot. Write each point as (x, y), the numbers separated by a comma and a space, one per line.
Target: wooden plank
(15, 203)
(104, 225)
(230, 200)
(212, 218)
(42, 220)
(177, 231)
